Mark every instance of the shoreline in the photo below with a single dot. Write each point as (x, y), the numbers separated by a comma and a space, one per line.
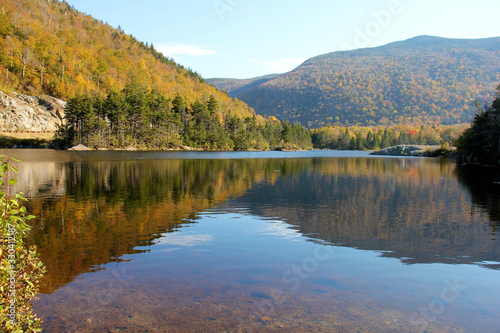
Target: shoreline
(416, 151)
(138, 150)
(27, 141)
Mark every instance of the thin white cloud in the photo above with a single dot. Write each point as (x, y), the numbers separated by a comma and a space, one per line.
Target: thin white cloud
(173, 50)
(280, 65)
(184, 240)
(282, 230)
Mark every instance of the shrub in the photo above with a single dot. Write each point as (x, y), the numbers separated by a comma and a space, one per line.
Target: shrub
(20, 267)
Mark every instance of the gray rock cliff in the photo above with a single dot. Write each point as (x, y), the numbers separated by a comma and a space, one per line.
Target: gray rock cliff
(23, 113)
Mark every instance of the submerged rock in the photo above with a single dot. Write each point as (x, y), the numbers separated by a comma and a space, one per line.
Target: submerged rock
(80, 147)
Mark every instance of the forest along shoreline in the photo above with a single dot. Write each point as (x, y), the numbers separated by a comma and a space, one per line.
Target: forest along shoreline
(87, 123)
(39, 122)
(144, 120)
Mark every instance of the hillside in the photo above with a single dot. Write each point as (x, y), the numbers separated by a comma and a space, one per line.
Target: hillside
(48, 47)
(424, 79)
(115, 90)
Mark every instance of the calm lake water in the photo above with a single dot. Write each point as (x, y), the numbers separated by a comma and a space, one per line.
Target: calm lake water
(263, 242)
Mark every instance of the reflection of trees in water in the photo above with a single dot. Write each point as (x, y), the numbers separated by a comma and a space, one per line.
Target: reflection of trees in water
(483, 184)
(91, 213)
(108, 209)
(409, 209)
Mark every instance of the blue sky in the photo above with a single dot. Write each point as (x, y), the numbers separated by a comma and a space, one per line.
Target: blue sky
(250, 38)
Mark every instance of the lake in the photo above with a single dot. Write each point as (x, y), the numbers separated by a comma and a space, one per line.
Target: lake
(318, 241)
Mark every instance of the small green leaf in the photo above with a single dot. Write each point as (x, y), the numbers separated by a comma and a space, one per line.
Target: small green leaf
(12, 182)
(15, 159)
(14, 169)
(20, 197)
(4, 167)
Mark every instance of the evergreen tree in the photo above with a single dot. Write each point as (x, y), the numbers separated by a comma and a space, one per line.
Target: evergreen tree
(345, 140)
(481, 143)
(360, 143)
(212, 104)
(385, 140)
(369, 140)
(115, 108)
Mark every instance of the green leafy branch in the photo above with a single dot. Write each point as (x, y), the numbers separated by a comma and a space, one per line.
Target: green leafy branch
(20, 267)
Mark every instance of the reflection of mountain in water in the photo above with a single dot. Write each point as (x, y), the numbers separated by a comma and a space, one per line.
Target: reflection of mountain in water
(97, 212)
(410, 209)
(91, 213)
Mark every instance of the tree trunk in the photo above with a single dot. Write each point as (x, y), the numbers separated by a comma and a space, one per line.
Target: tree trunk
(25, 58)
(42, 68)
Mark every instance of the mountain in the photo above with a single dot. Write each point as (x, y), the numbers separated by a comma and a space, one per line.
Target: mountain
(425, 79)
(49, 48)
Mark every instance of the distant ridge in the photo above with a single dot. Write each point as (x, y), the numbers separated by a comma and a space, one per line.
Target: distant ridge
(425, 79)
(235, 87)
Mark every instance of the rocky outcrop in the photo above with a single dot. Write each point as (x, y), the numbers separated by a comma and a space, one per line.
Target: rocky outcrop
(23, 113)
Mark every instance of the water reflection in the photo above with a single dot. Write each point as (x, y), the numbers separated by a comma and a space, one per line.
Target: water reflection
(409, 209)
(107, 209)
(91, 212)
(305, 244)
(484, 186)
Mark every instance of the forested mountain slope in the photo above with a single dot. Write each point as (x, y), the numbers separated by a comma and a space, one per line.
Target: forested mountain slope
(120, 92)
(424, 79)
(48, 47)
